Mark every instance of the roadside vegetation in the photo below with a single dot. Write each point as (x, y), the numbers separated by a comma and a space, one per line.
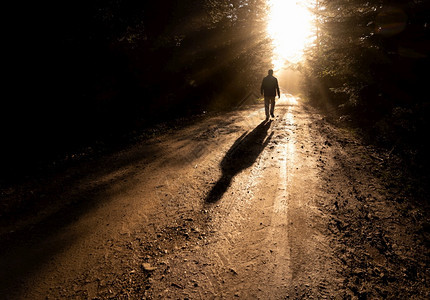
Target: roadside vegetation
(369, 68)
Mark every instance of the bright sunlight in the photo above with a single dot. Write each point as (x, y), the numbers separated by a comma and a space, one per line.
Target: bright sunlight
(291, 28)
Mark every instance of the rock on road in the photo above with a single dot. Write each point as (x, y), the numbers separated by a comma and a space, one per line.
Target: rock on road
(229, 207)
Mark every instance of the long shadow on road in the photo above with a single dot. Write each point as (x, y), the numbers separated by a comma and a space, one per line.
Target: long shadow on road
(240, 156)
(30, 240)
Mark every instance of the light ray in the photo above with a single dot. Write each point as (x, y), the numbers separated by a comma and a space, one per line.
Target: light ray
(290, 28)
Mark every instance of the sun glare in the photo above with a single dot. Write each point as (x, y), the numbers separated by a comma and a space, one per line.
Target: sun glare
(290, 27)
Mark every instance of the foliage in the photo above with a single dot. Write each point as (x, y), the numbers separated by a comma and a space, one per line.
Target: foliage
(102, 68)
(371, 60)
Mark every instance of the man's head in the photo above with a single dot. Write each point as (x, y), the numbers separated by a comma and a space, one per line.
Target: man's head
(270, 72)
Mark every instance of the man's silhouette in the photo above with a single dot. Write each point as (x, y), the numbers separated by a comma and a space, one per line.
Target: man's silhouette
(269, 88)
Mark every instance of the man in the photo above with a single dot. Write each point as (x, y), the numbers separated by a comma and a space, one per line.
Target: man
(269, 89)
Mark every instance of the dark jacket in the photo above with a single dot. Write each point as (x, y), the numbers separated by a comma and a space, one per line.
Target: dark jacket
(269, 86)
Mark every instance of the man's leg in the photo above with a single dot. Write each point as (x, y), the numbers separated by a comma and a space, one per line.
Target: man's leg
(272, 106)
(266, 106)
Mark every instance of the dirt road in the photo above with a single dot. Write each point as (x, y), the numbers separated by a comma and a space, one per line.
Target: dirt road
(230, 207)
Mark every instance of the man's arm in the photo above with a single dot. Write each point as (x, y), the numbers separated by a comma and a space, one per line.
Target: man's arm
(262, 88)
(277, 89)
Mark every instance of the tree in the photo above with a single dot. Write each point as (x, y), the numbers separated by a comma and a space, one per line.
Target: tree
(99, 69)
(371, 58)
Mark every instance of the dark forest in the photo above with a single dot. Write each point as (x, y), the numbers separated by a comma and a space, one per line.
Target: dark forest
(86, 72)
(371, 64)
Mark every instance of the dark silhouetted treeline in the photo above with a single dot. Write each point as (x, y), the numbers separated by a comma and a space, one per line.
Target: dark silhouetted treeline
(371, 64)
(86, 71)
